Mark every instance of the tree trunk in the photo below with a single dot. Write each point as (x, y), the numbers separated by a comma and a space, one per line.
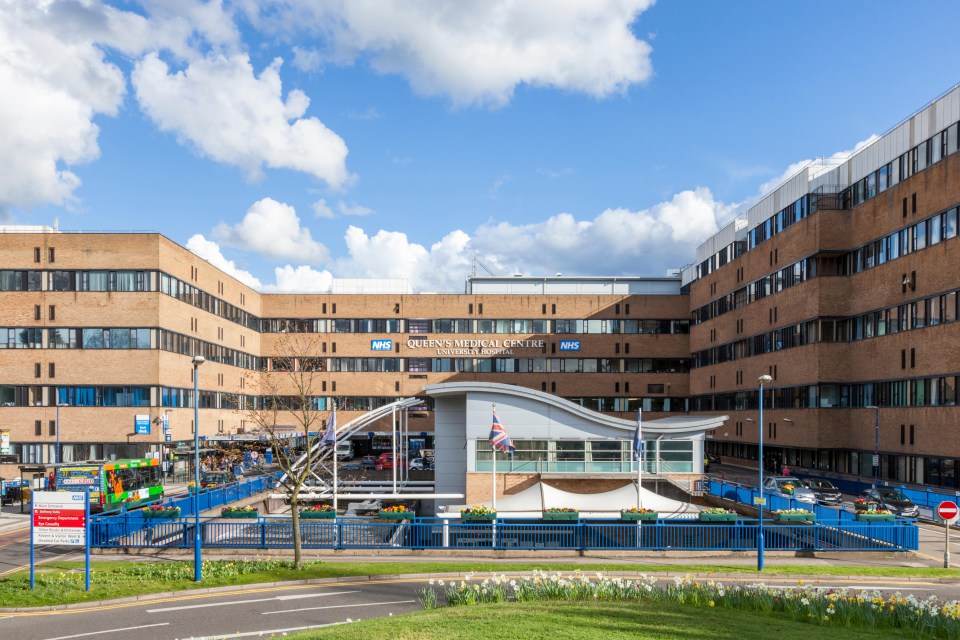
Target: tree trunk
(295, 523)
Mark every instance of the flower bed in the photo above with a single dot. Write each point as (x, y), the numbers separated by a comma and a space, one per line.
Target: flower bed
(794, 515)
(161, 512)
(398, 512)
(239, 512)
(638, 515)
(718, 515)
(875, 516)
(564, 514)
(478, 513)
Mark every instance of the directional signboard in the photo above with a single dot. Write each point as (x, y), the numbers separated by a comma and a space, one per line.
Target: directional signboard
(59, 517)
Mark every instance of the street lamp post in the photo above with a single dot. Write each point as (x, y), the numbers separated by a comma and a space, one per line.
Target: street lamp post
(56, 452)
(197, 561)
(762, 380)
(876, 444)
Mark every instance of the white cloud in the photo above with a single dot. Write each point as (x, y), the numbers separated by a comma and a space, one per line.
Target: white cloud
(302, 279)
(817, 166)
(273, 229)
(54, 81)
(228, 113)
(210, 251)
(353, 209)
(617, 241)
(307, 59)
(321, 209)
(479, 52)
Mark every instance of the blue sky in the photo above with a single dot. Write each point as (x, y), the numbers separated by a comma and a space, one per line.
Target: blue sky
(294, 142)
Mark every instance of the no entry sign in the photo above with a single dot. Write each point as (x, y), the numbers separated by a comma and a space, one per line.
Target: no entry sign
(948, 511)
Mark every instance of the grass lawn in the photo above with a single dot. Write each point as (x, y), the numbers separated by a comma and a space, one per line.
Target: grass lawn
(62, 582)
(579, 620)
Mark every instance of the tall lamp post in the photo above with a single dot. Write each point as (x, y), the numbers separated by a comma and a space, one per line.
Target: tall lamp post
(762, 380)
(876, 444)
(197, 562)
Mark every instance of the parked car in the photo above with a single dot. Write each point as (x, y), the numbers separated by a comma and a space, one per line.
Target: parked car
(385, 461)
(893, 501)
(216, 478)
(824, 490)
(353, 465)
(421, 464)
(368, 462)
(788, 487)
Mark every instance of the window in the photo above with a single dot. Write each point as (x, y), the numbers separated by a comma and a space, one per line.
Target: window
(52, 370)
(52, 254)
(37, 428)
(36, 254)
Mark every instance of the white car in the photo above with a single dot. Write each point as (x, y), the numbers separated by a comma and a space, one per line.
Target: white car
(788, 487)
(421, 464)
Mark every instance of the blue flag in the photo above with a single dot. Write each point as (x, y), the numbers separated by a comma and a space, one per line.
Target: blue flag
(330, 436)
(499, 439)
(638, 438)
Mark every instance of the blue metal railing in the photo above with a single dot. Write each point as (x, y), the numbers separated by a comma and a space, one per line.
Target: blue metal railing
(125, 523)
(432, 533)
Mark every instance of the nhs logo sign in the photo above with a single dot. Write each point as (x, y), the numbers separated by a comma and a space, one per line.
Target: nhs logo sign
(381, 345)
(569, 345)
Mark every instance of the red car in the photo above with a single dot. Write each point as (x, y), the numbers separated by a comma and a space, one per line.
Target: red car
(385, 461)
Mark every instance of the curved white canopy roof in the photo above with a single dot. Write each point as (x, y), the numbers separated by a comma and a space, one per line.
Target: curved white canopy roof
(672, 426)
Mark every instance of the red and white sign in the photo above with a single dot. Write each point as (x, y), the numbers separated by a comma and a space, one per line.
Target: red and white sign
(59, 517)
(948, 511)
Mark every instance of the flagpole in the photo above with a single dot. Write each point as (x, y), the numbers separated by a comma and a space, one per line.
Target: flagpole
(335, 460)
(493, 473)
(639, 458)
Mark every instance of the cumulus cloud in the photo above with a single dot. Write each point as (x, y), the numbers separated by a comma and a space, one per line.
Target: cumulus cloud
(55, 81)
(479, 52)
(273, 229)
(210, 251)
(390, 254)
(227, 112)
(302, 279)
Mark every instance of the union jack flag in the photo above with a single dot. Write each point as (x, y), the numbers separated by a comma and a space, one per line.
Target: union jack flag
(499, 439)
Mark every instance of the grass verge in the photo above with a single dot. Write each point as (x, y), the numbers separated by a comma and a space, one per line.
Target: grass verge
(62, 582)
(583, 620)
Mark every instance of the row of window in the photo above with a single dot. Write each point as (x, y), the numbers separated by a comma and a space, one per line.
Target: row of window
(925, 154)
(482, 326)
(928, 312)
(485, 365)
(926, 233)
(933, 391)
(184, 292)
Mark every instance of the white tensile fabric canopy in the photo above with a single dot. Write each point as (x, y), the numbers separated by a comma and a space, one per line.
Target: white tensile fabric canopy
(531, 502)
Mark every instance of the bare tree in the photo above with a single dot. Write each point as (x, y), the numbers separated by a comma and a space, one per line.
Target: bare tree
(289, 405)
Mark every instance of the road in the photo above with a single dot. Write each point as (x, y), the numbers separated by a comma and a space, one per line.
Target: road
(15, 551)
(254, 611)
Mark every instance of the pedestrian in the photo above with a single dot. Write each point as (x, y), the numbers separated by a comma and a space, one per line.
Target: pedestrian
(785, 471)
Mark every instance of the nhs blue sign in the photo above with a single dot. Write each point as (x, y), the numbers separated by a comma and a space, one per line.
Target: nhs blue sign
(569, 345)
(381, 345)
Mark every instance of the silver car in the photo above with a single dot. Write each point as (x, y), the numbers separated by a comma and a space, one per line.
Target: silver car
(788, 487)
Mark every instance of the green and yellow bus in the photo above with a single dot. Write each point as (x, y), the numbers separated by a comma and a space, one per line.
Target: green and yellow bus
(114, 483)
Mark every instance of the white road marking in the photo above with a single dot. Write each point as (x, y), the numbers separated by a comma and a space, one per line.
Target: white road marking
(233, 602)
(337, 606)
(97, 633)
(248, 634)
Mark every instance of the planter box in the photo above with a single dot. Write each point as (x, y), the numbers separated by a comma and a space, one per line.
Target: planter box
(718, 517)
(486, 517)
(795, 517)
(172, 513)
(628, 516)
(240, 514)
(563, 516)
(876, 517)
(397, 515)
(318, 515)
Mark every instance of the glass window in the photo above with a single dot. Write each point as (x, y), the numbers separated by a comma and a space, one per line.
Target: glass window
(920, 235)
(950, 224)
